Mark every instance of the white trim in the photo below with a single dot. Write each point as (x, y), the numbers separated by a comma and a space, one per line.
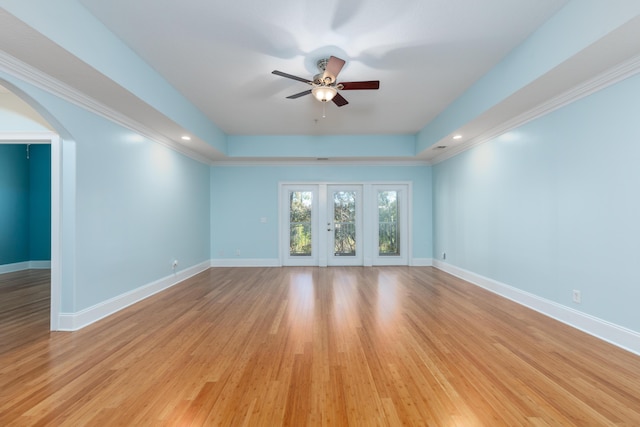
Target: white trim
(296, 161)
(16, 266)
(245, 262)
(614, 75)
(404, 197)
(56, 214)
(317, 253)
(39, 265)
(75, 321)
(25, 265)
(421, 262)
(606, 331)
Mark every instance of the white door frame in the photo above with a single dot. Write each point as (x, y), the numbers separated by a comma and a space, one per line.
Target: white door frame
(56, 215)
(283, 203)
(369, 204)
(404, 203)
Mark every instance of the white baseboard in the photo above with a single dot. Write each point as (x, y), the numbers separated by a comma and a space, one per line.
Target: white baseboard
(607, 331)
(274, 262)
(422, 262)
(17, 266)
(39, 265)
(245, 262)
(26, 265)
(75, 321)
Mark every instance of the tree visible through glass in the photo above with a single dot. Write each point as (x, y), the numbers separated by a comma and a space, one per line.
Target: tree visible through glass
(344, 223)
(300, 203)
(388, 226)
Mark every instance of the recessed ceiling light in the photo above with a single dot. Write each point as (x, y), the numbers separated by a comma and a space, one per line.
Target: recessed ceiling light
(457, 137)
(186, 138)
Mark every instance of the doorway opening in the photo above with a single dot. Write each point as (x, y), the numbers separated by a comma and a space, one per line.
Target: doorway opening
(54, 141)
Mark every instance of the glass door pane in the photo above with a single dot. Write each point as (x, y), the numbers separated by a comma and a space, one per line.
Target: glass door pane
(388, 223)
(300, 220)
(344, 225)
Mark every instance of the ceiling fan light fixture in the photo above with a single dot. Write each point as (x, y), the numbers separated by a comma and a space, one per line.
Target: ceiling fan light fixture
(324, 93)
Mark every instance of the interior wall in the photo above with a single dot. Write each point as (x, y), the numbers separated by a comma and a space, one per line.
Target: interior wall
(40, 202)
(130, 206)
(14, 204)
(552, 206)
(241, 196)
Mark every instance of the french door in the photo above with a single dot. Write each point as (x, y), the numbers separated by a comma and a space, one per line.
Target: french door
(299, 224)
(344, 224)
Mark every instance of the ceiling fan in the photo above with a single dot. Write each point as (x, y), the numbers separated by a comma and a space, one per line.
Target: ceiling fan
(324, 84)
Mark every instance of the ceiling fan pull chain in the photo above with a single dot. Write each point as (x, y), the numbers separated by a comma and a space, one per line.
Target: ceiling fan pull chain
(324, 115)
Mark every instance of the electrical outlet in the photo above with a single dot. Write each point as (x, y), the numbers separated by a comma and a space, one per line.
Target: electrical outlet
(444, 255)
(174, 264)
(237, 252)
(577, 297)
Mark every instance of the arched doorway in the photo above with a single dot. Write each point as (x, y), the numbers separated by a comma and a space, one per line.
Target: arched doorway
(9, 135)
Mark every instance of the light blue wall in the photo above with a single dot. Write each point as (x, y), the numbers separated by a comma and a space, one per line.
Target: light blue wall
(40, 202)
(322, 146)
(135, 206)
(553, 206)
(139, 206)
(240, 196)
(14, 204)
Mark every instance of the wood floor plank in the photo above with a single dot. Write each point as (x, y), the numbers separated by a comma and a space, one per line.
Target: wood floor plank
(309, 346)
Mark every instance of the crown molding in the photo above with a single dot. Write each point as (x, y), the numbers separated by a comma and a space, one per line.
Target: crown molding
(310, 162)
(37, 78)
(612, 76)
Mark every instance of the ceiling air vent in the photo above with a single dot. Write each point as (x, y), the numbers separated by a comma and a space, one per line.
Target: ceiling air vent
(440, 147)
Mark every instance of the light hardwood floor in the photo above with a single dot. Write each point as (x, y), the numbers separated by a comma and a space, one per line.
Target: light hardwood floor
(316, 346)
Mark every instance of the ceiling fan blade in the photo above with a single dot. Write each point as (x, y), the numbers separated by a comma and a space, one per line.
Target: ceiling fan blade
(372, 84)
(333, 68)
(298, 95)
(290, 76)
(339, 100)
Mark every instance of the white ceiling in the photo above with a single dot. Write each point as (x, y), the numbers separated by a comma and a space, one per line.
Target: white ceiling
(220, 54)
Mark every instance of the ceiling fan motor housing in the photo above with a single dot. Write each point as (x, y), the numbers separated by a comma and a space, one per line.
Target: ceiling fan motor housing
(322, 64)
